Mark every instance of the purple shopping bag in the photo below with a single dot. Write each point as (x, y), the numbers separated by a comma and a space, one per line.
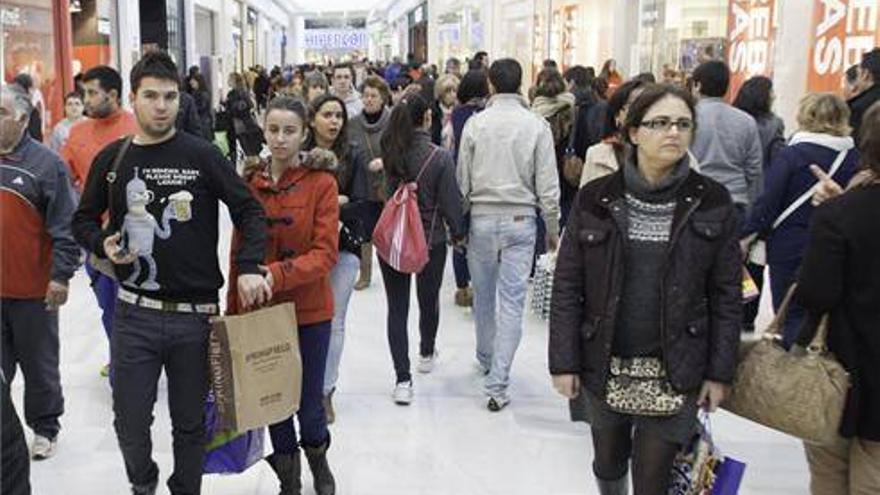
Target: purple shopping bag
(728, 477)
(228, 451)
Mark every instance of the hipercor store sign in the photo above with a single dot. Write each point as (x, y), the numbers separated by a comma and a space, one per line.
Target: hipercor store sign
(842, 31)
(751, 29)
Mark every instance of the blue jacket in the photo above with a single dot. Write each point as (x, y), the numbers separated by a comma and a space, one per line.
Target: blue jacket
(784, 182)
(460, 116)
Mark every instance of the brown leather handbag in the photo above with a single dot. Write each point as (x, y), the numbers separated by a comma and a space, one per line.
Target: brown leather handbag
(801, 392)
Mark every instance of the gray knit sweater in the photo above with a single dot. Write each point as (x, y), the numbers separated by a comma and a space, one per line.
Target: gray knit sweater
(650, 211)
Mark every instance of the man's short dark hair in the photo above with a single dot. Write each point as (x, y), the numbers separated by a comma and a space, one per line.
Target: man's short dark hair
(506, 75)
(474, 84)
(158, 65)
(344, 66)
(24, 80)
(713, 77)
(579, 76)
(852, 74)
(871, 63)
(107, 77)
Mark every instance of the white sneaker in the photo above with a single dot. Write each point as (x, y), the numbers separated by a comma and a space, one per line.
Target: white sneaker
(43, 448)
(426, 363)
(403, 393)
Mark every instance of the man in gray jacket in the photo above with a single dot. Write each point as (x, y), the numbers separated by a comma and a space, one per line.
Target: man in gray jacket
(727, 144)
(506, 171)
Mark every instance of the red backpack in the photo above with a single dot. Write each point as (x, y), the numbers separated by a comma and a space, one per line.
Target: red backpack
(399, 236)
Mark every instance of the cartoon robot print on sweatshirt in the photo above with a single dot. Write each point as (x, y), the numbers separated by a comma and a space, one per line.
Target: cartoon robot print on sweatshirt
(140, 228)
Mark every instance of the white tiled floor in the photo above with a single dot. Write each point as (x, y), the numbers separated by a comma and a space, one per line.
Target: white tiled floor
(446, 443)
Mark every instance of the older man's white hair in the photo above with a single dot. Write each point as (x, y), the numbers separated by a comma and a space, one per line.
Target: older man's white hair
(20, 98)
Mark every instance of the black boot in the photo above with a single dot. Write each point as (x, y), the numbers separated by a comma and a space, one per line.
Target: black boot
(317, 457)
(287, 468)
(613, 487)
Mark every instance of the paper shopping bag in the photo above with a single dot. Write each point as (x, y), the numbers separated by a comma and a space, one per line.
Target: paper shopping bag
(255, 366)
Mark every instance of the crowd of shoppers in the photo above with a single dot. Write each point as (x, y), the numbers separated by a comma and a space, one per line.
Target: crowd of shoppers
(675, 190)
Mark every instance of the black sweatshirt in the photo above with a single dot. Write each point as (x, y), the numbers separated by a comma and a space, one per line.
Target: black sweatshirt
(176, 239)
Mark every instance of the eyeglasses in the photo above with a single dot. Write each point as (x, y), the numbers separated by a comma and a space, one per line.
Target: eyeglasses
(665, 124)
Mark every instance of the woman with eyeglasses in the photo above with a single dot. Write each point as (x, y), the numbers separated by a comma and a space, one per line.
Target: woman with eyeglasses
(646, 301)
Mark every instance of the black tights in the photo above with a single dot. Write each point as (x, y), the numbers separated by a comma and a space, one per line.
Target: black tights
(652, 457)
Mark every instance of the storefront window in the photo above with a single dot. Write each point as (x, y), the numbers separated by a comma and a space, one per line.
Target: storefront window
(681, 33)
(95, 38)
(176, 33)
(460, 30)
(29, 46)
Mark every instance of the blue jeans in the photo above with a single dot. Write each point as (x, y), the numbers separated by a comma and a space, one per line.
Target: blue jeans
(342, 279)
(460, 267)
(500, 254)
(314, 340)
(105, 289)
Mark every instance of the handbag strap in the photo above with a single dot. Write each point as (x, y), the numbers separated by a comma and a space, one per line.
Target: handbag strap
(114, 169)
(427, 162)
(818, 345)
(809, 193)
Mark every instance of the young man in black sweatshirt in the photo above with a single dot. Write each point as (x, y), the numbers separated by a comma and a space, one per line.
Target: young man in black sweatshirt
(163, 201)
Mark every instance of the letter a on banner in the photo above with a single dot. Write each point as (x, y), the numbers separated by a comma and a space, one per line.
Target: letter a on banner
(751, 28)
(842, 31)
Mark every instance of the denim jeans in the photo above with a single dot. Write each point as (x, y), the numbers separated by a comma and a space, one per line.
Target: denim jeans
(342, 279)
(105, 289)
(500, 254)
(314, 340)
(460, 267)
(144, 342)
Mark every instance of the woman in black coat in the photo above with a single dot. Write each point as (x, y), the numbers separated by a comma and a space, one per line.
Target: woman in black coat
(648, 281)
(242, 126)
(198, 89)
(840, 276)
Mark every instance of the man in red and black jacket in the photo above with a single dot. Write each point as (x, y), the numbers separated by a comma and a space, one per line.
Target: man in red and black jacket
(38, 256)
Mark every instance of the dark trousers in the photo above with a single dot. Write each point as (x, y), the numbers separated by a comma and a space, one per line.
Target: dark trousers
(782, 275)
(30, 341)
(144, 342)
(750, 309)
(460, 267)
(397, 290)
(314, 341)
(14, 458)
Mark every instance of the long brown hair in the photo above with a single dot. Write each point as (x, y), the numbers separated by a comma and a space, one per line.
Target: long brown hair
(869, 141)
(406, 116)
(340, 146)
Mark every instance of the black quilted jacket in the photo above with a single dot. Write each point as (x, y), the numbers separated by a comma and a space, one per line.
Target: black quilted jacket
(701, 292)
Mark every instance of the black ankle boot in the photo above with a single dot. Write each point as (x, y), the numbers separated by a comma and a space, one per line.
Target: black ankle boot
(287, 468)
(317, 457)
(613, 487)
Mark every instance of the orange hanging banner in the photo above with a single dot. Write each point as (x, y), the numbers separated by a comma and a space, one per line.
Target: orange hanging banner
(751, 30)
(842, 31)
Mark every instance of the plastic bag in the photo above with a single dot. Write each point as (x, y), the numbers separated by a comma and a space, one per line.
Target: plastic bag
(228, 451)
(542, 285)
(701, 469)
